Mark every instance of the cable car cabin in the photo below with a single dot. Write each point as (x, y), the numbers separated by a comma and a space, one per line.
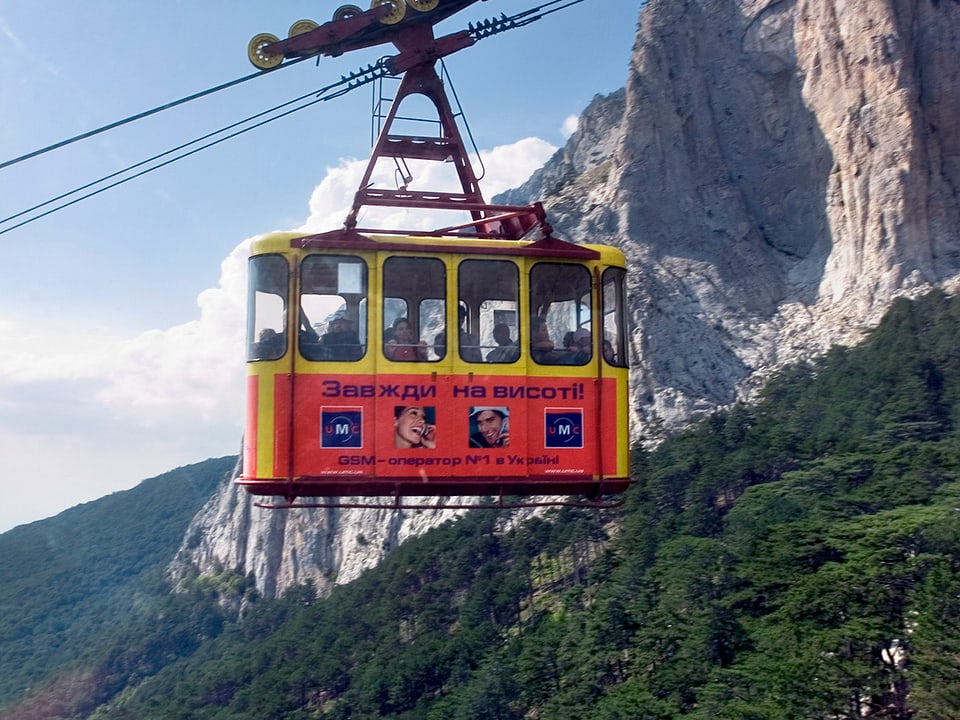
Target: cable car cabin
(418, 366)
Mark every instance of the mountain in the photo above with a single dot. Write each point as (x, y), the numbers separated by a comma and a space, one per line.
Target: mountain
(777, 173)
(796, 557)
(283, 549)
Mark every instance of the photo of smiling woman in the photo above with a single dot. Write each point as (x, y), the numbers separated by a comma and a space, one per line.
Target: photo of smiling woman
(413, 426)
(489, 427)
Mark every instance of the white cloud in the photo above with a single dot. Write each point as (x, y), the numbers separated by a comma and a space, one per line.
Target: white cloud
(85, 411)
(511, 165)
(570, 126)
(504, 167)
(194, 370)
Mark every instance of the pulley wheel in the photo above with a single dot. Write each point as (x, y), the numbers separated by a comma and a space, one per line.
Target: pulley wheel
(346, 11)
(397, 11)
(258, 57)
(423, 5)
(302, 26)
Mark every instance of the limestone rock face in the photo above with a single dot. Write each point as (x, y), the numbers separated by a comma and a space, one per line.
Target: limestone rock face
(781, 170)
(283, 548)
(776, 171)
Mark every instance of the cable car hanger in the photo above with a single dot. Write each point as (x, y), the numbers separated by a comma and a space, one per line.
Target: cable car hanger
(419, 50)
(386, 21)
(306, 438)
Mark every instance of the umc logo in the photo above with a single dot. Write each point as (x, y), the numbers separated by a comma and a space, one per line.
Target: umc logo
(341, 427)
(563, 428)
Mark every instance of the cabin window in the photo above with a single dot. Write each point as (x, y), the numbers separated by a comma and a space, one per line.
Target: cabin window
(613, 344)
(333, 297)
(414, 309)
(268, 278)
(489, 301)
(561, 311)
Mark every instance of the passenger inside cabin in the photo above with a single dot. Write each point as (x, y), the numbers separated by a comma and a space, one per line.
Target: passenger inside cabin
(608, 352)
(341, 341)
(270, 345)
(440, 344)
(541, 346)
(469, 344)
(507, 350)
(403, 346)
(581, 352)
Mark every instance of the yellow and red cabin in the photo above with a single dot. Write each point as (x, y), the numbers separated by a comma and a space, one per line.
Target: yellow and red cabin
(409, 366)
(484, 358)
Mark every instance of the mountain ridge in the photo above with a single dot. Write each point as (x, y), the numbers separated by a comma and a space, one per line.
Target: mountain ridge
(794, 557)
(756, 171)
(762, 186)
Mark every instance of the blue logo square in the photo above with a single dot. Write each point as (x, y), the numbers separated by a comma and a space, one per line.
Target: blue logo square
(563, 428)
(341, 427)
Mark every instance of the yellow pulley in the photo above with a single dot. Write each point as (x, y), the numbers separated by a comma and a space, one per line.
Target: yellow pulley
(397, 10)
(423, 5)
(346, 11)
(261, 59)
(302, 26)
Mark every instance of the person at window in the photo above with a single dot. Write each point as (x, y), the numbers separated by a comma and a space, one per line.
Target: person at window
(341, 341)
(412, 427)
(403, 346)
(270, 345)
(440, 344)
(506, 350)
(469, 345)
(492, 427)
(581, 351)
(608, 352)
(541, 346)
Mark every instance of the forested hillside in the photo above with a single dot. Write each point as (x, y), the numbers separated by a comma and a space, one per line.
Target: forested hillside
(797, 558)
(79, 591)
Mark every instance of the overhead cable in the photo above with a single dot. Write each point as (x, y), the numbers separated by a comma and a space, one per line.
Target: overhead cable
(141, 115)
(341, 87)
(345, 84)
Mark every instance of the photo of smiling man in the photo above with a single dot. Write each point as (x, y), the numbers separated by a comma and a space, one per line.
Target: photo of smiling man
(489, 427)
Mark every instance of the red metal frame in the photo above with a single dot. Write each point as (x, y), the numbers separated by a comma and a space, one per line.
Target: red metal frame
(416, 61)
(446, 504)
(365, 29)
(418, 53)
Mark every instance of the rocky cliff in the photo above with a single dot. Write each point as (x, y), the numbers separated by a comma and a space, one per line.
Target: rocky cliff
(777, 171)
(281, 549)
(780, 171)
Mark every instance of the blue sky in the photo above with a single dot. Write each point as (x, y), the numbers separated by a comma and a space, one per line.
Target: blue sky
(121, 317)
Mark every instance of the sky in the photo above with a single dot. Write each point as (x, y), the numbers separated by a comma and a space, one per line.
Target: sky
(122, 316)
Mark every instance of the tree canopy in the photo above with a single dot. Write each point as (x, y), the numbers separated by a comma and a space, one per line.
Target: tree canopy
(797, 557)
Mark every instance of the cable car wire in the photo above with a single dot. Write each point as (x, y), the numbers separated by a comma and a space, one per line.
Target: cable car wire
(323, 91)
(341, 87)
(486, 28)
(350, 82)
(144, 114)
(483, 29)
